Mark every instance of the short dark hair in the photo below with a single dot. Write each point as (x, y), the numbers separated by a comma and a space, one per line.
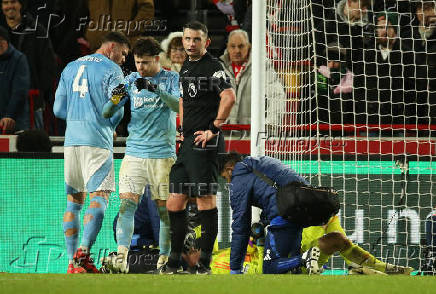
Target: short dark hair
(196, 26)
(33, 141)
(232, 158)
(116, 37)
(147, 46)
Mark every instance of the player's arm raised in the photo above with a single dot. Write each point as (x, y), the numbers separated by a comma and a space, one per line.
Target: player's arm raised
(169, 99)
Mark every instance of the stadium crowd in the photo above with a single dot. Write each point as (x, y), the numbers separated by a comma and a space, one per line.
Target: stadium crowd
(374, 60)
(377, 61)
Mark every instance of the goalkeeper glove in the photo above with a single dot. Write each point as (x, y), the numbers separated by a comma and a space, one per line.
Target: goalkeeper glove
(142, 83)
(119, 93)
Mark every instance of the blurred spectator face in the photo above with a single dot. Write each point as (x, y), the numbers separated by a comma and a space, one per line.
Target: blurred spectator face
(118, 53)
(147, 66)
(11, 9)
(426, 15)
(356, 10)
(333, 64)
(3, 46)
(195, 43)
(177, 54)
(238, 48)
(385, 31)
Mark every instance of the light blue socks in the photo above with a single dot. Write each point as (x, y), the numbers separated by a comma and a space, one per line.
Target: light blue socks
(125, 224)
(93, 226)
(72, 241)
(164, 232)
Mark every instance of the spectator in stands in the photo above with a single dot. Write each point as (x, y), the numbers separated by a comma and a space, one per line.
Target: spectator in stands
(350, 23)
(33, 141)
(62, 20)
(421, 42)
(334, 88)
(426, 29)
(29, 37)
(237, 65)
(173, 54)
(68, 37)
(134, 17)
(226, 7)
(353, 12)
(14, 85)
(387, 84)
(243, 12)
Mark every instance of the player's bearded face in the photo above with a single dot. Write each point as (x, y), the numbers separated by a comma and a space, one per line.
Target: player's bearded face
(195, 43)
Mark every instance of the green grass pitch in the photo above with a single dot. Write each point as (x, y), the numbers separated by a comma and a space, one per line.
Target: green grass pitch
(247, 284)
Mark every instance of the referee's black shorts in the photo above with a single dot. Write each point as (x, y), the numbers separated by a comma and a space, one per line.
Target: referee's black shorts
(195, 172)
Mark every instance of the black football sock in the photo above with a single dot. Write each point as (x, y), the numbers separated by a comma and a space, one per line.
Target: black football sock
(209, 231)
(178, 228)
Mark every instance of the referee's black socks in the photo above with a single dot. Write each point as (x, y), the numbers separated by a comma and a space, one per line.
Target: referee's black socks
(178, 228)
(209, 231)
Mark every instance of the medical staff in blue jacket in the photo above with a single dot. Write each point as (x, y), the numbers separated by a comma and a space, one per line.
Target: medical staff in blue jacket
(283, 238)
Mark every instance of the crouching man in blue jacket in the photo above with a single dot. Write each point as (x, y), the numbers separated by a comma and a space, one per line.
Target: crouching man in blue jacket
(283, 238)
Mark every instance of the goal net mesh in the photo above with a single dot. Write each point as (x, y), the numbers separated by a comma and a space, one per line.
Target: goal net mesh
(355, 109)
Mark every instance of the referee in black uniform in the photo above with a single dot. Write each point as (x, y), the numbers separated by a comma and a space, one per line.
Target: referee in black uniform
(207, 98)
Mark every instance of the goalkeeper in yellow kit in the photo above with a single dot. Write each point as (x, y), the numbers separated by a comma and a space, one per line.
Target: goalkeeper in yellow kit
(330, 238)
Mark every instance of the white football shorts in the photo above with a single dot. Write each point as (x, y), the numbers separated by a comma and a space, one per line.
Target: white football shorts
(136, 173)
(88, 169)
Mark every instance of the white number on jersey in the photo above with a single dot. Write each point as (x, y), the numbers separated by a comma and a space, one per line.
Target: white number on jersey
(83, 87)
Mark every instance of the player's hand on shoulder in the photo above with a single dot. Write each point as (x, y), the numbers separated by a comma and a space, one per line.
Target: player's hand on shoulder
(142, 83)
(119, 93)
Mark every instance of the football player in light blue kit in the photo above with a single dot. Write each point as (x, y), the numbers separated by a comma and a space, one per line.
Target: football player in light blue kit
(85, 85)
(154, 100)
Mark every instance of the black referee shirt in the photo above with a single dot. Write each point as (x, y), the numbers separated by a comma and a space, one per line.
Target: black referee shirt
(201, 83)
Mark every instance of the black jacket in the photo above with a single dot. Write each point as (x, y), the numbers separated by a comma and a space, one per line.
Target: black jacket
(32, 39)
(384, 88)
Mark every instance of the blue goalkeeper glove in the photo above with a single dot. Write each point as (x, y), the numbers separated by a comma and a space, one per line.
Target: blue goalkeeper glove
(142, 83)
(119, 93)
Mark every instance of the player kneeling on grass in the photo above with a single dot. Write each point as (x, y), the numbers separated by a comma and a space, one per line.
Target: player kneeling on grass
(264, 182)
(154, 100)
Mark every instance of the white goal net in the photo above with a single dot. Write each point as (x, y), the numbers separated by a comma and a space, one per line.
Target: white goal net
(359, 84)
